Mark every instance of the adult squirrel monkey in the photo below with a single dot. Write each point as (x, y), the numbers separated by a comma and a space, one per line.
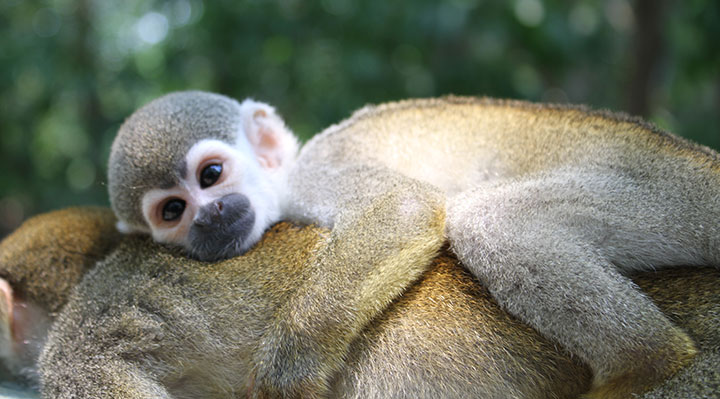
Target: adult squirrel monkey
(148, 322)
(550, 207)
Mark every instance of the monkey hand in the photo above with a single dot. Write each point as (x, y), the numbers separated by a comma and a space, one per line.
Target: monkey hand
(369, 259)
(290, 366)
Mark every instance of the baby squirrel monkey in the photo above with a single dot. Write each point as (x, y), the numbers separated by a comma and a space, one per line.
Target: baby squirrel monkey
(550, 219)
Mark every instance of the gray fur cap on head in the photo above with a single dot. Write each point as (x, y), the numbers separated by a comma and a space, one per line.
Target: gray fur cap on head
(150, 147)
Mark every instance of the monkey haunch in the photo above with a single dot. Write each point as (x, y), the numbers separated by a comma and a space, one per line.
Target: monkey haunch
(147, 322)
(550, 207)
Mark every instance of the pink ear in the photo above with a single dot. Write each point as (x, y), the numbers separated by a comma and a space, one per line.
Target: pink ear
(267, 142)
(274, 145)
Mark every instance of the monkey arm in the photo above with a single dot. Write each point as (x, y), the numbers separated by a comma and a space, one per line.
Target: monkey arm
(116, 350)
(373, 254)
(113, 378)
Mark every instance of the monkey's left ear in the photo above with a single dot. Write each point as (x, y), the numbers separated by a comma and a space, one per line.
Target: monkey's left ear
(274, 145)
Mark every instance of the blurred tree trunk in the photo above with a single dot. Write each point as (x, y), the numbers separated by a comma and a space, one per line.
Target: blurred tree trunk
(648, 50)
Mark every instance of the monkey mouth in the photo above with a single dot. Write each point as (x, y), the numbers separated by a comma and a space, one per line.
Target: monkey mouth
(241, 227)
(225, 241)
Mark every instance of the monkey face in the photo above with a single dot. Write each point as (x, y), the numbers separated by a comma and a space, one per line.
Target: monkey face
(224, 201)
(202, 171)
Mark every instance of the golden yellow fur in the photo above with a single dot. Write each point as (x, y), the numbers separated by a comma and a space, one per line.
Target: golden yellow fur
(148, 322)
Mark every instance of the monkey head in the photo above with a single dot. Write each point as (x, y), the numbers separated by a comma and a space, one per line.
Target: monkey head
(202, 171)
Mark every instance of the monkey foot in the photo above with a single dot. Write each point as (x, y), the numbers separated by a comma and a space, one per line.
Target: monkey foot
(655, 369)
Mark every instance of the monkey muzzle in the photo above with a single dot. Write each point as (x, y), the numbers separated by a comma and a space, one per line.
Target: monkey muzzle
(220, 228)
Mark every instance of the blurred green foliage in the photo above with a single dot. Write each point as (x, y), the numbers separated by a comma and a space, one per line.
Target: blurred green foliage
(72, 70)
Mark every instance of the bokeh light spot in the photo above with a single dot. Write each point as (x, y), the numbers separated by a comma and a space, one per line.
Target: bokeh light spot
(152, 27)
(80, 174)
(529, 12)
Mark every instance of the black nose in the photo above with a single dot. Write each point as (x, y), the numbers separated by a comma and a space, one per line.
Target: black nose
(220, 227)
(223, 212)
(210, 214)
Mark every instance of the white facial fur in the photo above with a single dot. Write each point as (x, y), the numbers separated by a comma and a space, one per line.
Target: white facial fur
(241, 173)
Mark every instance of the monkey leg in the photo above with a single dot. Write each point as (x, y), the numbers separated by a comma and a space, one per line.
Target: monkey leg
(379, 245)
(548, 250)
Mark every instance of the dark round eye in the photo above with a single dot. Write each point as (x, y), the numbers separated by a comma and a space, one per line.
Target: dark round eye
(210, 174)
(173, 209)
